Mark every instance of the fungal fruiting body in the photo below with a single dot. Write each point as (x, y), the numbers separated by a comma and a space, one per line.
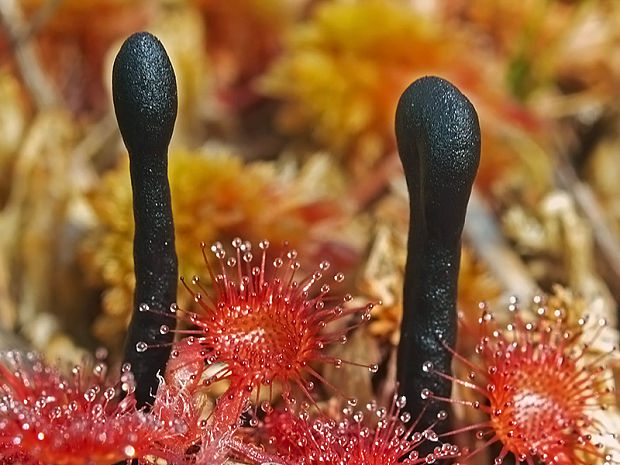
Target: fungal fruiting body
(50, 419)
(540, 387)
(145, 102)
(438, 139)
(260, 325)
(378, 436)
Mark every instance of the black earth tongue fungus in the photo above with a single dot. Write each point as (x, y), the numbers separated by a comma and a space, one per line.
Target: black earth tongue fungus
(438, 138)
(145, 101)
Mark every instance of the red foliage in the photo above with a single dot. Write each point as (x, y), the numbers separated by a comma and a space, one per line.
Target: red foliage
(540, 386)
(352, 440)
(49, 419)
(262, 324)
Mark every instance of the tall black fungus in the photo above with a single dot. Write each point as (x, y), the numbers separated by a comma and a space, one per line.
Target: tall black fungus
(438, 139)
(145, 100)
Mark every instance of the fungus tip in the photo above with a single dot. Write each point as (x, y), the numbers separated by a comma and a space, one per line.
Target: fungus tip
(144, 91)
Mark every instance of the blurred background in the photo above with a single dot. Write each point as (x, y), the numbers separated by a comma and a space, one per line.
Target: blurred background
(285, 132)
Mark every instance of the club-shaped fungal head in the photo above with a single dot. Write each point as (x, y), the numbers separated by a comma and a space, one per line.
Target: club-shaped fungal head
(145, 94)
(438, 139)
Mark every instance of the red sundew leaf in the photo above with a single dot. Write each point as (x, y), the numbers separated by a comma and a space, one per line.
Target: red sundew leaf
(353, 440)
(50, 419)
(260, 325)
(540, 388)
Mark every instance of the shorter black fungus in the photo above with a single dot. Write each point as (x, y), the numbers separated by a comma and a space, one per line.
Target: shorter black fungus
(438, 137)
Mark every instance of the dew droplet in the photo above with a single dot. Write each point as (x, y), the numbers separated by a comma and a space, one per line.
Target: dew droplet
(100, 369)
(90, 395)
(266, 407)
(109, 393)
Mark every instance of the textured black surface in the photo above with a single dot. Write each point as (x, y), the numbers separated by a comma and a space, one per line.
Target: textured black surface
(145, 101)
(438, 139)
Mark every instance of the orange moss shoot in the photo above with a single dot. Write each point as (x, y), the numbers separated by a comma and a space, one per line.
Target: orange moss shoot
(262, 325)
(378, 436)
(50, 419)
(540, 386)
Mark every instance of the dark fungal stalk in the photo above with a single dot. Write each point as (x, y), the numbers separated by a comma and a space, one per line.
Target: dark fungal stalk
(438, 138)
(145, 101)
